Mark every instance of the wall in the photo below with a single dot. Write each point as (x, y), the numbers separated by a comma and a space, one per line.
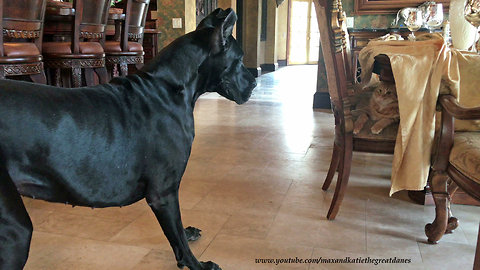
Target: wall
(367, 21)
(251, 34)
(169, 9)
(190, 16)
(224, 4)
(282, 31)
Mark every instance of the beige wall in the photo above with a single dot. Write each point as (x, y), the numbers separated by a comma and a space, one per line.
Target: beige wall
(166, 11)
(227, 4)
(275, 47)
(271, 42)
(190, 16)
(224, 4)
(251, 33)
(282, 23)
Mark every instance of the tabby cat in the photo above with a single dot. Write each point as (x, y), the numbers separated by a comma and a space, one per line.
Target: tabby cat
(380, 106)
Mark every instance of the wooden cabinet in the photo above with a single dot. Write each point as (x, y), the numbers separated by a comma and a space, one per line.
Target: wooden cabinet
(364, 7)
(359, 39)
(150, 43)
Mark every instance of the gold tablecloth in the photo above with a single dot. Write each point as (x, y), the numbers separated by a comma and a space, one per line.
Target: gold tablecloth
(419, 69)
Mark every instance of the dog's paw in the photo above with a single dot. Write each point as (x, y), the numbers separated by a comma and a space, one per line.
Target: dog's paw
(210, 266)
(192, 233)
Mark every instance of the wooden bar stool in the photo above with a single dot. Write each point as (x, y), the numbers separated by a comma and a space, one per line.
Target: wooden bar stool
(128, 50)
(84, 51)
(21, 22)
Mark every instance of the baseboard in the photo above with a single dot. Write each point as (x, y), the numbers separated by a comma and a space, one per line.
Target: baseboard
(282, 63)
(256, 72)
(321, 100)
(269, 67)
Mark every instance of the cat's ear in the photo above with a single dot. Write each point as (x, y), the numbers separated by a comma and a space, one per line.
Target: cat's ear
(370, 87)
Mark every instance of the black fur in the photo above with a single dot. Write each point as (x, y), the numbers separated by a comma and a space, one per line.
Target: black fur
(114, 144)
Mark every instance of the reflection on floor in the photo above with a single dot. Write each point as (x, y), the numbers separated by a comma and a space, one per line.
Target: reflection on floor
(253, 185)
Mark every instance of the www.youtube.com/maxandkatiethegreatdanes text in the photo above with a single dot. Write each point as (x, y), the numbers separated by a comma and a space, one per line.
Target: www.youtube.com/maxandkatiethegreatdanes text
(321, 260)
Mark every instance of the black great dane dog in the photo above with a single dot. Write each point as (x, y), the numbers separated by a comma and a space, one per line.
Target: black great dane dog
(114, 144)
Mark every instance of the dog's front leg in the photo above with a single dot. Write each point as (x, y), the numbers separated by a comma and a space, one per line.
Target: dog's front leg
(15, 226)
(167, 211)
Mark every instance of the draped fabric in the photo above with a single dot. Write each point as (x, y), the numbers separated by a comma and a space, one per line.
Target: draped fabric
(420, 68)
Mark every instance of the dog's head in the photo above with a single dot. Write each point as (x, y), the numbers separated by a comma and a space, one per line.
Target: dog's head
(224, 68)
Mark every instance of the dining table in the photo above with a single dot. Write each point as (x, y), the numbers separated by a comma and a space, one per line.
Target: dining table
(421, 70)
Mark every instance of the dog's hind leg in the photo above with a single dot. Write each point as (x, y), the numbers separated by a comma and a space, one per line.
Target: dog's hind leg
(167, 211)
(15, 226)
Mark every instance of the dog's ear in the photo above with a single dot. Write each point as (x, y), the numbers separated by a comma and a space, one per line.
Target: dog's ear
(210, 21)
(223, 29)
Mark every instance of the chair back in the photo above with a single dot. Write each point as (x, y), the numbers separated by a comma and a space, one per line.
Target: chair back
(135, 16)
(336, 50)
(22, 19)
(89, 21)
(91, 17)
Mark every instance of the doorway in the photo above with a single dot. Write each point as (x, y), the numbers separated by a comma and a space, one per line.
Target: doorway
(303, 33)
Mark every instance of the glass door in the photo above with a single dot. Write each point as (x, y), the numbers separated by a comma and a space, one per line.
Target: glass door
(304, 36)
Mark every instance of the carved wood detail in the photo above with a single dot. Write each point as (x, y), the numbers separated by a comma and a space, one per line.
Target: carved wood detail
(91, 35)
(69, 63)
(22, 69)
(135, 36)
(11, 33)
(114, 60)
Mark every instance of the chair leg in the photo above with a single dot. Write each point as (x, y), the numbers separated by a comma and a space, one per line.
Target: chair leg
(436, 230)
(102, 74)
(123, 69)
(64, 77)
(2, 72)
(138, 66)
(333, 166)
(89, 77)
(77, 76)
(115, 71)
(39, 78)
(343, 176)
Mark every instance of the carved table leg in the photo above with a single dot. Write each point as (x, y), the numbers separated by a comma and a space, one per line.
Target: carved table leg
(436, 230)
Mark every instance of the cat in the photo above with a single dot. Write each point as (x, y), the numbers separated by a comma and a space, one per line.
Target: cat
(379, 105)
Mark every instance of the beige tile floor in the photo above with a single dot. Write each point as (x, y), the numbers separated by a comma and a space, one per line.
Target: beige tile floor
(253, 185)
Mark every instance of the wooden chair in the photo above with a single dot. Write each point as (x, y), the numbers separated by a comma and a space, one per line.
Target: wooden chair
(84, 50)
(455, 164)
(21, 22)
(342, 90)
(128, 50)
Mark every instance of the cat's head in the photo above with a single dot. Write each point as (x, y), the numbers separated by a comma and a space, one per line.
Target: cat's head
(386, 90)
